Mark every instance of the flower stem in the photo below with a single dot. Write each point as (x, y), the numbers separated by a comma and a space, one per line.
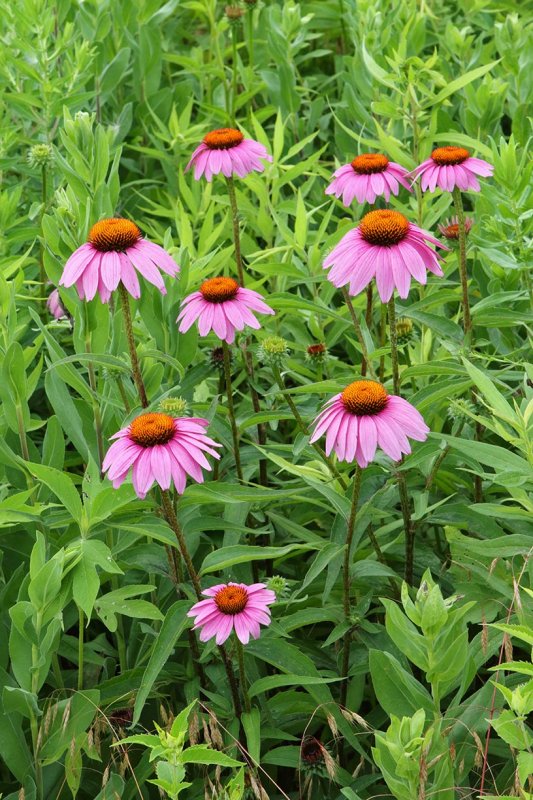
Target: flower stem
(94, 395)
(234, 72)
(250, 20)
(358, 333)
(128, 326)
(236, 232)
(171, 518)
(81, 620)
(242, 676)
(346, 583)
(303, 427)
(400, 476)
(42, 272)
(467, 320)
(382, 340)
(231, 409)
(368, 319)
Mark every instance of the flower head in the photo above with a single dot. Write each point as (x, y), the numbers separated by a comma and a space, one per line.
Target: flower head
(450, 229)
(226, 150)
(368, 176)
(174, 405)
(222, 306)
(55, 306)
(273, 350)
(388, 247)
(40, 155)
(233, 606)
(316, 352)
(363, 417)
(449, 167)
(404, 330)
(115, 252)
(161, 449)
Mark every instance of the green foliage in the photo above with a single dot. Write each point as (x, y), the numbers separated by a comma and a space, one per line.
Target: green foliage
(103, 103)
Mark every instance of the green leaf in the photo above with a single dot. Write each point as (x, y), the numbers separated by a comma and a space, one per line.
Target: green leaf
(459, 83)
(62, 486)
(174, 624)
(241, 554)
(397, 691)
(202, 754)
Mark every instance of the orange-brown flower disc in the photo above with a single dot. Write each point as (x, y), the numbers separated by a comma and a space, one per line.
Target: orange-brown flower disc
(451, 231)
(231, 599)
(384, 227)
(114, 234)
(449, 155)
(369, 163)
(223, 138)
(218, 290)
(151, 429)
(364, 398)
(316, 349)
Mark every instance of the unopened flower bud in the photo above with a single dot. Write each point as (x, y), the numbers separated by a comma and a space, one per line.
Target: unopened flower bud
(273, 350)
(176, 406)
(317, 352)
(40, 155)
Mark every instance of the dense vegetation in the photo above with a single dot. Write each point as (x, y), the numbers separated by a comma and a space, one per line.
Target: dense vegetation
(397, 658)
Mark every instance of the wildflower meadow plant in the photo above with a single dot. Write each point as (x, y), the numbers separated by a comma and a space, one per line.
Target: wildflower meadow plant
(265, 517)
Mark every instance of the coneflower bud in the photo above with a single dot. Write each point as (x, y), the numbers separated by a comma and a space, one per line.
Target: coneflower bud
(279, 585)
(450, 229)
(216, 357)
(40, 155)
(317, 352)
(404, 330)
(176, 406)
(273, 350)
(460, 409)
(234, 13)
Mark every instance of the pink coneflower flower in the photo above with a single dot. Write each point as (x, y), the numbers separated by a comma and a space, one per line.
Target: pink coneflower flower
(452, 166)
(55, 306)
(367, 177)
(226, 150)
(115, 252)
(450, 229)
(388, 247)
(233, 606)
(160, 449)
(222, 306)
(364, 416)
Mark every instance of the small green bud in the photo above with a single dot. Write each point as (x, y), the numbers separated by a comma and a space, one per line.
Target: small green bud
(279, 585)
(40, 155)
(273, 350)
(174, 405)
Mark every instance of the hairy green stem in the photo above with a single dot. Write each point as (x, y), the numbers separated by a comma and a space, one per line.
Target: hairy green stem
(81, 622)
(236, 231)
(234, 72)
(171, 518)
(128, 327)
(346, 583)
(358, 333)
(231, 409)
(467, 320)
(242, 676)
(400, 476)
(94, 399)
(303, 427)
(368, 319)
